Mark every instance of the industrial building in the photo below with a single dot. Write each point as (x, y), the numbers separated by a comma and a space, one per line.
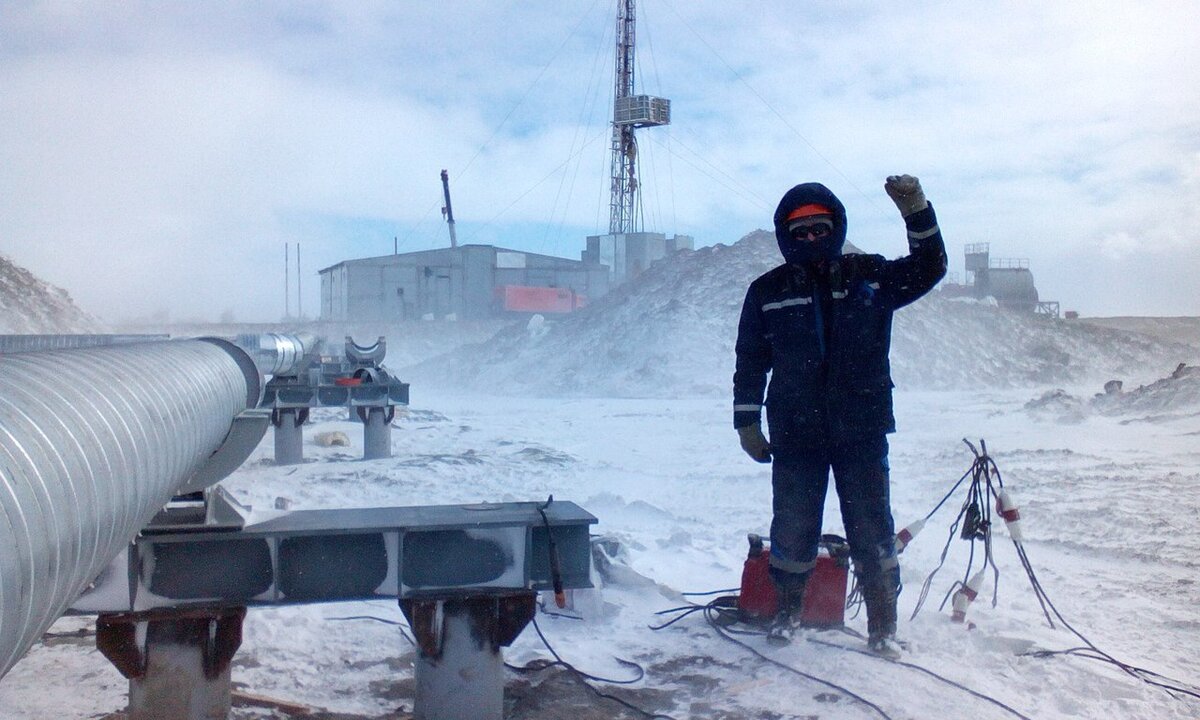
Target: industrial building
(466, 282)
(628, 254)
(1008, 280)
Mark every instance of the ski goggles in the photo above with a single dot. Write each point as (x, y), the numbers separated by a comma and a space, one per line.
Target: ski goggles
(818, 230)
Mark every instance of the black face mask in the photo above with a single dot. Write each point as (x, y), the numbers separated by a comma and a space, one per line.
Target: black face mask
(811, 252)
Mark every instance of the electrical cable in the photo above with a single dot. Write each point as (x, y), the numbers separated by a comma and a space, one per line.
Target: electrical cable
(986, 486)
(1171, 687)
(710, 592)
(721, 612)
(723, 605)
(1087, 652)
(722, 631)
(400, 625)
(926, 671)
(583, 678)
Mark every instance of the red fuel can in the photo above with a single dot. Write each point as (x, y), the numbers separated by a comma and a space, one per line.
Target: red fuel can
(824, 595)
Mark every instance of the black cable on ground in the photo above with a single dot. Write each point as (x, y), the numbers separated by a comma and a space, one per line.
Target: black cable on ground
(986, 487)
(1171, 687)
(1086, 652)
(722, 631)
(583, 678)
(683, 611)
(1048, 607)
(926, 671)
(713, 611)
(385, 621)
(710, 592)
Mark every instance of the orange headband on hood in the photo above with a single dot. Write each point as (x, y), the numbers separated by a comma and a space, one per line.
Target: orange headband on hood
(807, 210)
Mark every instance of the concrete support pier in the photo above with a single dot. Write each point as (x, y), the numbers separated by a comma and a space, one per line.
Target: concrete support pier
(289, 435)
(182, 672)
(377, 432)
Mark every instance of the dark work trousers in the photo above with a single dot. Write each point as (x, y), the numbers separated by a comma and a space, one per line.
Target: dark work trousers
(799, 478)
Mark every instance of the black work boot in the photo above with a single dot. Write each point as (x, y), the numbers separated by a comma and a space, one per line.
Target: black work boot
(787, 619)
(880, 600)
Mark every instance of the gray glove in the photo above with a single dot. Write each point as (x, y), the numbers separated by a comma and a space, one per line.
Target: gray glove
(906, 192)
(754, 443)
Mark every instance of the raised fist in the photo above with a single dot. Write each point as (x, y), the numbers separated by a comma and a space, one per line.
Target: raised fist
(906, 192)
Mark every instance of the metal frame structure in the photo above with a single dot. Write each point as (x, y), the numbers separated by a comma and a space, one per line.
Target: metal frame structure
(630, 111)
(357, 381)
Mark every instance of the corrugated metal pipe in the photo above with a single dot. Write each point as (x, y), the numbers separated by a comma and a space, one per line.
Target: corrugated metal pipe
(93, 443)
(278, 354)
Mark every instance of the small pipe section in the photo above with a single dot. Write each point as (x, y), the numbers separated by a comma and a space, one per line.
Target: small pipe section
(278, 354)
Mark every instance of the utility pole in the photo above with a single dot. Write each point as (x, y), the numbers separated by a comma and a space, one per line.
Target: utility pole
(447, 211)
(630, 111)
(299, 297)
(287, 281)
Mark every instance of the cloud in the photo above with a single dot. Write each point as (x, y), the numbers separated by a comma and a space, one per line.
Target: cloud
(158, 156)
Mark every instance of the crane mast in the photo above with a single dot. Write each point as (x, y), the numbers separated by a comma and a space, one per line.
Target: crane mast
(447, 210)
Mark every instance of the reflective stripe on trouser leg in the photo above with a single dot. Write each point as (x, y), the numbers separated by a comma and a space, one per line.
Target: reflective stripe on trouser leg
(799, 480)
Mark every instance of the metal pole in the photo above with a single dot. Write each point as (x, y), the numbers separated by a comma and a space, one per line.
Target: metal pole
(287, 282)
(299, 294)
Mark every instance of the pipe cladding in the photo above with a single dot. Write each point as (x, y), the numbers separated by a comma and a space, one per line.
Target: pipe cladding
(93, 443)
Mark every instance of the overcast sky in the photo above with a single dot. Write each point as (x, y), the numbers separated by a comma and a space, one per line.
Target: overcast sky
(158, 156)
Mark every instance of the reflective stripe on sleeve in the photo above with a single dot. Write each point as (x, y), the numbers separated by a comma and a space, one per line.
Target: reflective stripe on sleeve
(747, 408)
(922, 234)
(787, 303)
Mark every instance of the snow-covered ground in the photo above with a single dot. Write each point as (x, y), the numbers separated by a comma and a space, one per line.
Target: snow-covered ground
(1108, 501)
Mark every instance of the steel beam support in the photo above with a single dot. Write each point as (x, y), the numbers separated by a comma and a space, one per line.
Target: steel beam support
(180, 669)
(459, 671)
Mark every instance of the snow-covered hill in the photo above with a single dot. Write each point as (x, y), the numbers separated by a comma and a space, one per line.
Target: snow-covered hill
(672, 331)
(31, 305)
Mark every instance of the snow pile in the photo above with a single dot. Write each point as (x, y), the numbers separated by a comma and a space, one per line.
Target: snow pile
(672, 332)
(29, 305)
(1179, 393)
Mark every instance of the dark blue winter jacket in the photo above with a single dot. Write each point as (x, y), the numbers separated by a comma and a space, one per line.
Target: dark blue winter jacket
(823, 332)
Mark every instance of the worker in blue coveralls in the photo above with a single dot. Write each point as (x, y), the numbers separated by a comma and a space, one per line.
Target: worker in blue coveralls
(821, 325)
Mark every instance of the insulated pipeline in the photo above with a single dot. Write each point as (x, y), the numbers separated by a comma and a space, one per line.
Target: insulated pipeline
(93, 443)
(279, 354)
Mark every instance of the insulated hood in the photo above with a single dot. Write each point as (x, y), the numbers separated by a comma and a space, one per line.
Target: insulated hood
(803, 254)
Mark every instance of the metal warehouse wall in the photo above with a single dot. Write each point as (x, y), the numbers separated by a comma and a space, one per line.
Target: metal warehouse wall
(452, 281)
